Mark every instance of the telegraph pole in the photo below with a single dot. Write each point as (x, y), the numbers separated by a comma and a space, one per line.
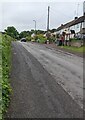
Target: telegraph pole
(48, 19)
(48, 35)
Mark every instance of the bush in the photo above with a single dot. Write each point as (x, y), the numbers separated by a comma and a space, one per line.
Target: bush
(41, 38)
(6, 65)
(52, 39)
(35, 37)
(28, 38)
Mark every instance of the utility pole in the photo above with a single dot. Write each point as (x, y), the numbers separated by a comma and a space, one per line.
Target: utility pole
(48, 19)
(48, 35)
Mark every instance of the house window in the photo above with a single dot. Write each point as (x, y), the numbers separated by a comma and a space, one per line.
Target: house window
(77, 25)
(72, 31)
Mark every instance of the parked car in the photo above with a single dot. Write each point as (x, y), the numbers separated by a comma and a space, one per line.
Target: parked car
(23, 40)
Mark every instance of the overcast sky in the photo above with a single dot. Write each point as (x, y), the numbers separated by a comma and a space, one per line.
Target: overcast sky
(21, 13)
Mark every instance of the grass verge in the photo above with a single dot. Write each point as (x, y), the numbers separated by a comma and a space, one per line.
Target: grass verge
(74, 49)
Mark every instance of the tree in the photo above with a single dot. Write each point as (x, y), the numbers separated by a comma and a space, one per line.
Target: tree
(11, 31)
(53, 30)
(24, 34)
(39, 31)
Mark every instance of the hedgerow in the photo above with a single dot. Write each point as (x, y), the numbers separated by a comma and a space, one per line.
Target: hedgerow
(6, 66)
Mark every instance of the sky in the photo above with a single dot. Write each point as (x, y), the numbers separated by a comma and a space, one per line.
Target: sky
(21, 13)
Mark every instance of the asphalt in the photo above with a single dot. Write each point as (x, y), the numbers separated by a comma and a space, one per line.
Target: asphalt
(54, 46)
(36, 94)
(65, 67)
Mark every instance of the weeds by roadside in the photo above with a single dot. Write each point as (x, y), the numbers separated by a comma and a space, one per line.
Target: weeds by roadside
(0, 77)
(5, 68)
(75, 49)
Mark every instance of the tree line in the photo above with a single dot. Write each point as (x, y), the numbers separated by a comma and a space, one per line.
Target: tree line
(12, 31)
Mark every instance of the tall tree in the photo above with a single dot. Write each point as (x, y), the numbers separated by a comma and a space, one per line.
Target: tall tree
(11, 31)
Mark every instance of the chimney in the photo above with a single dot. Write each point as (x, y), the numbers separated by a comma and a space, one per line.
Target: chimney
(76, 18)
(61, 24)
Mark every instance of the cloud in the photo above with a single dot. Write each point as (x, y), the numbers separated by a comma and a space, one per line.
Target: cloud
(22, 14)
(42, 0)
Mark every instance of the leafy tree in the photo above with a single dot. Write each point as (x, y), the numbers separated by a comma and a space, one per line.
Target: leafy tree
(53, 30)
(11, 31)
(39, 31)
(24, 34)
(41, 38)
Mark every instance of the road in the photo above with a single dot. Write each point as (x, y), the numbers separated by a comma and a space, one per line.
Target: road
(46, 83)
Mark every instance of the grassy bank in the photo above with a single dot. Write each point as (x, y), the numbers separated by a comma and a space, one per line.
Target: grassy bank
(5, 67)
(74, 49)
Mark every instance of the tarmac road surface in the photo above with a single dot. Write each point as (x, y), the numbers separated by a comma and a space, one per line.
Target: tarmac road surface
(46, 83)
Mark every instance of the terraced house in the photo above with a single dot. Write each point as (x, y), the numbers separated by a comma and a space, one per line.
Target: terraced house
(74, 28)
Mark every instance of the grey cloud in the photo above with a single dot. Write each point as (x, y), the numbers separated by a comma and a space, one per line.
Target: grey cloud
(21, 14)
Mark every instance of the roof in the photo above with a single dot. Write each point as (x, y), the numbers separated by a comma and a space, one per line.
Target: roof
(71, 23)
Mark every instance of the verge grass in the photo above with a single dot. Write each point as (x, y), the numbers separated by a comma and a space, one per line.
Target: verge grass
(75, 49)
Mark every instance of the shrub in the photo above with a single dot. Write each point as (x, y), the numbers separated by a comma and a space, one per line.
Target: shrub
(52, 39)
(41, 38)
(6, 65)
(28, 38)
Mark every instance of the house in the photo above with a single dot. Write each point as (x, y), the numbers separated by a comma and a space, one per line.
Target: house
(74, 28)
(33, 35)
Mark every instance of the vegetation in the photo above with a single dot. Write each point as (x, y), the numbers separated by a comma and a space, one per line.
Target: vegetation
(74, 39)
(27, 34)
(6, 65)
(53, 30)
(40, 32)
(24, 34)
(52, 39)
(75, 49)
(40, 38)
(28, 38)
(0, 77)
(11, 31)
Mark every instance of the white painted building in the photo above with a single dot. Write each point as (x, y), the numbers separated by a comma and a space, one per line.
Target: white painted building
(72, 28)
